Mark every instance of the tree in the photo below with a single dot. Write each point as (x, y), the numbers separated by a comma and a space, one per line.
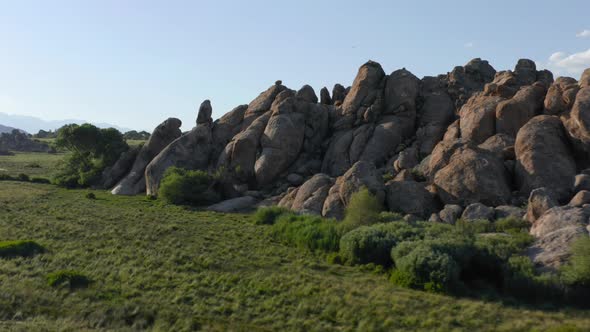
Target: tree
(92, 150)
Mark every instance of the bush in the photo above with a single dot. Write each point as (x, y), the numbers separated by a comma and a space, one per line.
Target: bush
(363, 209)
(427, 268)
(268, 215)
(72, 279)
(306, 231)
(577, 271)
(20, 248)
(372, 244)
(511, 225)
(181, 186)
(90, 196)
(6, 177)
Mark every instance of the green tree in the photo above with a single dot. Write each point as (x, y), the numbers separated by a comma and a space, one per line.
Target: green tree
(92, 150)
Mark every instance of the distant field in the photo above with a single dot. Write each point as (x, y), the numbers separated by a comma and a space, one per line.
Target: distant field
(33, 164)
(133, 142)
(168, 268)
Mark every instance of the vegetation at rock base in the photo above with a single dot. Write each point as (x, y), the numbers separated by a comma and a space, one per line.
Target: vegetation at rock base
(156, 266)
(72, 279)
(91, 151)
(186, 187)
(577, 272)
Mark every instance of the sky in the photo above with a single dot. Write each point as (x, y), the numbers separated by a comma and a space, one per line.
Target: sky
(136, 63)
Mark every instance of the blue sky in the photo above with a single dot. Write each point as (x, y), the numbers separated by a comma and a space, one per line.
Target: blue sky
(135, 63)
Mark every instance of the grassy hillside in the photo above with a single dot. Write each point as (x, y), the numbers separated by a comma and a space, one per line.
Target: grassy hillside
(167, 268)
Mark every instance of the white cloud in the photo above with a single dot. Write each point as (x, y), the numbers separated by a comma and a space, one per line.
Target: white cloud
(468, 45)
(561, 63)
(583, 34)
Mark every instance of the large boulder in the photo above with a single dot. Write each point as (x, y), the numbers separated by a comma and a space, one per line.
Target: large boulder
(508, 211)
(560, 217)
(410, 197)
(512, 114)
(478, 118)
(552, 250)
(134, 182)
(281, 142)
(309, 198)
(112, 175)
(262, 104)
(473, 175)
(361, 174)
(463, 81)
(561, 96)
(478, 211)
(450, 213)
(578, 126)
(544, 158)
(540, 200)
(225, 128)
(501, 145)
(240, 153)
(190, 151)
(434, 116)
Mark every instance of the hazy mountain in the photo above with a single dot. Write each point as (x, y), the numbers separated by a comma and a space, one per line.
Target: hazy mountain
(5, 129)
(33, 124)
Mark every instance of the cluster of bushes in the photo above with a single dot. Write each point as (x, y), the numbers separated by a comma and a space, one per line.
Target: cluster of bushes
(68, 278)
(92, 150)
(23, 178)
(462, 258)
(186, 187)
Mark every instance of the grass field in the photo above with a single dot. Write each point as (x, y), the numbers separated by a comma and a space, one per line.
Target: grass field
(31, 163)
(167, 268)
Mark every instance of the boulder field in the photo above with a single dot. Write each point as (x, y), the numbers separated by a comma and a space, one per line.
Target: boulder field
(473, 143)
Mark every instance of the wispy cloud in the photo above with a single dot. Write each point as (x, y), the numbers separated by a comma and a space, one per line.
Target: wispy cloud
(562, 63)
(468, 45)
(583, 34)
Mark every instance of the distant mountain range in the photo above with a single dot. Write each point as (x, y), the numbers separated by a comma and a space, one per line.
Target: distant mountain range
(33, 124)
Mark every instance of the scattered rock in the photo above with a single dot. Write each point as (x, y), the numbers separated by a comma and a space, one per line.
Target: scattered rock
(450, 213)
(478, 211)
(540, 200)
(240, 204)
(410, 197)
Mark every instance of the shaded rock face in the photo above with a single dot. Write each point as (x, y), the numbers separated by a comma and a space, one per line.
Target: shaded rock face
(578, 126)
(112, 175)
(464, 81)
(512, 114)
(543, 157)
(540, 200)
(310, 197)
(561, 96)
(473, 175)
(410, 197)
(134, 182)
(478, 211)
(478, 118)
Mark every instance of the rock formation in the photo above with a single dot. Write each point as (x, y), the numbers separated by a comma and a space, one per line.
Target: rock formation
(473, 143)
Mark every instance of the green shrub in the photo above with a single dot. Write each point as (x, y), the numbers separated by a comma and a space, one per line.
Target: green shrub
(268, 215)
(577, 271)
(427, 268)
(372, 244)
(6, 177)
(511, 225)
(306, 231)
(72, 279)
(90, 196)
(20, 248)
(503, 245)
(470, 227)
(387, 216)
(181, 186)
(363, 209)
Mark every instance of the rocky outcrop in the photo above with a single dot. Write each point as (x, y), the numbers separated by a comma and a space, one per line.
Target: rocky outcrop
(19, 141)
(543, 157)
(476, 141)
(134, 182)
